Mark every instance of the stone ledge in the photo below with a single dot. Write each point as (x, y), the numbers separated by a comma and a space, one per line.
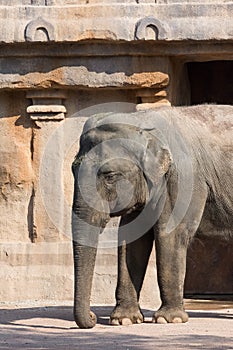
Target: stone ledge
(105, 48)
(83, 78)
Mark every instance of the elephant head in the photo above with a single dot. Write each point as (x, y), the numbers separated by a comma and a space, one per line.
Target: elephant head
(118, 167)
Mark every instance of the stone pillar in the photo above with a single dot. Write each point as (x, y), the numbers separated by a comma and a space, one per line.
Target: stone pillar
(152, 98)
(45, 111)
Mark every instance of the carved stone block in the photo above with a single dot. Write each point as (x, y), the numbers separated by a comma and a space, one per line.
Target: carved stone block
(47, 105)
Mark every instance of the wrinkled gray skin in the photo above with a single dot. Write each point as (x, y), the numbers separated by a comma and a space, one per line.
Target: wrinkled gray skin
(174, 154)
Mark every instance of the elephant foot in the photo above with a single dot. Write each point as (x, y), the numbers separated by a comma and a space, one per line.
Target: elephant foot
(170, 315)
(126, 315)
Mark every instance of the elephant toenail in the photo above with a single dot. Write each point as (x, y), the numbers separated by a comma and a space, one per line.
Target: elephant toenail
(161, 320)
(114, 322)
(126, 322)
(177, 320)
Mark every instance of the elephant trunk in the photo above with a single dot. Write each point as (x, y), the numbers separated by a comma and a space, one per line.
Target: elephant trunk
(87, 224)
(84, 262)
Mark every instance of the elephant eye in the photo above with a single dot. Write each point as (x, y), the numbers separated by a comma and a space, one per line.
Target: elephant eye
(111, 177)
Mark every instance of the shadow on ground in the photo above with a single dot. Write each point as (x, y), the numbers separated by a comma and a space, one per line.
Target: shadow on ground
(65, 313)
(53, 327)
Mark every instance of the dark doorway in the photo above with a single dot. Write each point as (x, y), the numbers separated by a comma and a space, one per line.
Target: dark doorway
(211, 82)
(210, 268)
(210, 260)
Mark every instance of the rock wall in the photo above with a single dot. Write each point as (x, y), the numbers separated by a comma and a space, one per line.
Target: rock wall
(59, 61)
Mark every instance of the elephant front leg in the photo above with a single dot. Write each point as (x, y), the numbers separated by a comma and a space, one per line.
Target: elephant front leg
(171, 253)
(132, 263)
(171, 266)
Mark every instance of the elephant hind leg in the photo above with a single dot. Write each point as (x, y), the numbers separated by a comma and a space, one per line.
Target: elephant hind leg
(132, 263)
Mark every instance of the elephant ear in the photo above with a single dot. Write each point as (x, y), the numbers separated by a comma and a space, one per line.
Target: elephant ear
(156, 160)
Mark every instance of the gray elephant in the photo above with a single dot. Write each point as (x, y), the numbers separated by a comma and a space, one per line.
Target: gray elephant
(168, 173)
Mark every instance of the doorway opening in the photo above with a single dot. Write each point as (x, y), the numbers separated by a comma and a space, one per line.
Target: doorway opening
(209, 262)
(211, 82)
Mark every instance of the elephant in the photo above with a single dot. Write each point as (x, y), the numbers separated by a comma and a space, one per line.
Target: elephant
(168, 174)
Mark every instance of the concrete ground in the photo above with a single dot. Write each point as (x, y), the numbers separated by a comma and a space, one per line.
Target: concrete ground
(37, 326)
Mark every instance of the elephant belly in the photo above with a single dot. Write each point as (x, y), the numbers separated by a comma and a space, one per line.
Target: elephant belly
(215, 222)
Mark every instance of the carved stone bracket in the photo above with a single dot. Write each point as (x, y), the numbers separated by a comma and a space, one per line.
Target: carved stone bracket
(46, 105)
(152, 98)
(39, 30)
(39, 2)
(157, 27)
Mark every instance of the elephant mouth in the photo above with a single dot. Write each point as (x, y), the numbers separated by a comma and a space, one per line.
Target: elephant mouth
(137, 207)
(103, 222)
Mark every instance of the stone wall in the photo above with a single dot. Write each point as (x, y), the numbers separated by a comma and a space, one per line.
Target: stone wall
(58, 61)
